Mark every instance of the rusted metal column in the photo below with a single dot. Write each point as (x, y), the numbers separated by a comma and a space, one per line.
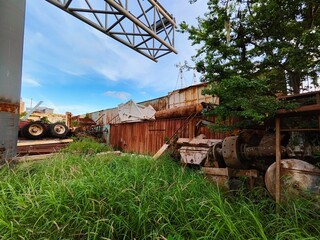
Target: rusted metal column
(12, 14)
(318, 102)
(278, 162)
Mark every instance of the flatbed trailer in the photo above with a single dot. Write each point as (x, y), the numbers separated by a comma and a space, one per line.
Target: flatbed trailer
(45, 146)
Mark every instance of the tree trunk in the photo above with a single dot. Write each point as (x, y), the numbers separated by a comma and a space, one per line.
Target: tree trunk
(295, 81)
(282, 81)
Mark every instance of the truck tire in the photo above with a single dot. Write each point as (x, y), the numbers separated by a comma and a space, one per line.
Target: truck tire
(58, 130)
(34, 130)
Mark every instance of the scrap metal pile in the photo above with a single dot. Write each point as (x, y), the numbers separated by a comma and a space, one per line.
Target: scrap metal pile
(252, 153)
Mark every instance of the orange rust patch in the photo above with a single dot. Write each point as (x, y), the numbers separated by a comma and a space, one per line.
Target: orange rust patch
(9, 107)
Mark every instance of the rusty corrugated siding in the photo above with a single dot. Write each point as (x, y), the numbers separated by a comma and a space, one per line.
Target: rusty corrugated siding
(109, 116)
(178, 98)
(148, 137)
(190, 95)
(158, 104)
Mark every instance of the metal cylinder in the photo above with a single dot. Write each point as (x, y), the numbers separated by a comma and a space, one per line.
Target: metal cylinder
(12, 15)
(297, 177)
(184, 111)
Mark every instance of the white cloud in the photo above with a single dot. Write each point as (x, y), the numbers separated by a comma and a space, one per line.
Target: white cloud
(29, 82)
(60, 47)
(74, 47)
(120, 95)
(81, 49)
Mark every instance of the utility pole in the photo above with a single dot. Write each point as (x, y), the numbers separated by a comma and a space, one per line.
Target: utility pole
(180, 76)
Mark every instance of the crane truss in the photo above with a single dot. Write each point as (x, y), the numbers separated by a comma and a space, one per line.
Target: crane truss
(143, 25)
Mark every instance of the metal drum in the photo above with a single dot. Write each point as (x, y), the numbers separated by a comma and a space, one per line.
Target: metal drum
(297, 177)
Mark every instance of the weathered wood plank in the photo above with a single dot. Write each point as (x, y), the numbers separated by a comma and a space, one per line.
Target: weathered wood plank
(161, 151)
(41, 142)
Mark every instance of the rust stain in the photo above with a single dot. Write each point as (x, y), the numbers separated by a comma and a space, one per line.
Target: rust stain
(9, 107)
(158, 104)
(188, 96)
(2, 150)
(83, 121)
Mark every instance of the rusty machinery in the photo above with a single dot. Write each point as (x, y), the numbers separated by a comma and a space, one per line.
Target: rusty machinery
(252, 154)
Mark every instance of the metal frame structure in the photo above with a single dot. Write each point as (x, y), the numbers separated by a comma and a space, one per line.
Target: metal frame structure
(143, 25)
(305, 110)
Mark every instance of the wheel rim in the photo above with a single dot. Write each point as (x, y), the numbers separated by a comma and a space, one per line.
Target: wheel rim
(35, 130)
(60, 129)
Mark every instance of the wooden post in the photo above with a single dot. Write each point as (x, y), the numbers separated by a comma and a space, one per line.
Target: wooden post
(278, 162)
(68, 119)
(191, 129)
(318, 102)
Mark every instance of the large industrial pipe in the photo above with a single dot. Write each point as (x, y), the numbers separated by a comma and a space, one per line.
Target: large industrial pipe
(184, 111)
(12, 15)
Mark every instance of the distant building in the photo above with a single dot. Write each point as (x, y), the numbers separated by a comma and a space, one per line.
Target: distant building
(42, 110)
(177, 98)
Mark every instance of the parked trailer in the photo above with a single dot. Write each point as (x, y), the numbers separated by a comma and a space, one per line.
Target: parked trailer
(38, 130)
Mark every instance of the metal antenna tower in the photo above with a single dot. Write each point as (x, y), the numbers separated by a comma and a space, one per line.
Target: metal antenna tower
(194, 76)
(143, 25)
(180, 75)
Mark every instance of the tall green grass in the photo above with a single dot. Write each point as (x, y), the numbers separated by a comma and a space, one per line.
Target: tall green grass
(77, 196)
(86, 146)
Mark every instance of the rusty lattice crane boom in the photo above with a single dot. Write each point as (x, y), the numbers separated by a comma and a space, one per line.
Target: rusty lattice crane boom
(144, 26)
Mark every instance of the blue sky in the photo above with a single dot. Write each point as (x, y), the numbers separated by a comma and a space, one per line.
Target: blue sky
(72, 67)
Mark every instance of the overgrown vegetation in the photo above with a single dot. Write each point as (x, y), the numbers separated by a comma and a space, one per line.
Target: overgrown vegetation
(249, 51)
(86, 196)
(86, 146)
(248, 101)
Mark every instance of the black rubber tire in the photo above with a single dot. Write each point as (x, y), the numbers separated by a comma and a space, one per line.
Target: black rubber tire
(58, 130)
(34, 130)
